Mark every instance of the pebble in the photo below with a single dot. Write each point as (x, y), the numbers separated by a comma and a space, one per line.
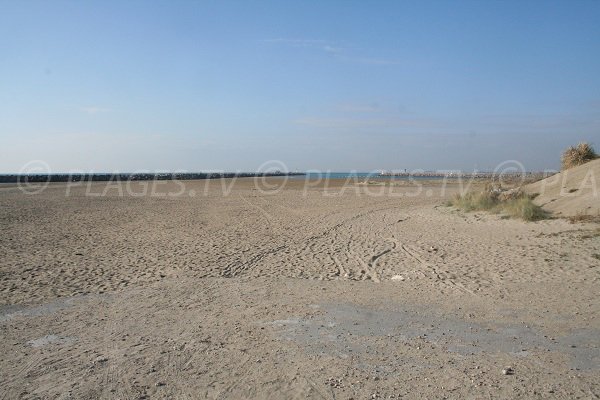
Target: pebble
(508, 371)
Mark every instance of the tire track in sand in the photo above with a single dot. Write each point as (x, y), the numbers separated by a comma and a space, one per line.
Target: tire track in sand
(434, 271)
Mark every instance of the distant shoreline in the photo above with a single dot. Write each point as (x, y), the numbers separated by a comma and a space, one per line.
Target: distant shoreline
(105, 177)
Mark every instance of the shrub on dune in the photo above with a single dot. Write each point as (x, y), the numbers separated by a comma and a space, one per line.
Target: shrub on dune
(577, 155)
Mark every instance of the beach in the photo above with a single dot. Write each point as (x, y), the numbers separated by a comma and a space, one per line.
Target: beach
(276, 288)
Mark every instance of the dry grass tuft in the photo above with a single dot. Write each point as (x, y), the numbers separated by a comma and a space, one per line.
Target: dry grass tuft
(577, 155)
(524, 208)
(474, 201)
(520, 206)
(584, 218)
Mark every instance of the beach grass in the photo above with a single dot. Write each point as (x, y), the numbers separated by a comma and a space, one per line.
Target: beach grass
(520, 206)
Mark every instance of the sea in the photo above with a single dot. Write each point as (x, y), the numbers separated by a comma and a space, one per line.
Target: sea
(360, 176)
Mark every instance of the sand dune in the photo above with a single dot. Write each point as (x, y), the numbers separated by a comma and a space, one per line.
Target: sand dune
(571, 192)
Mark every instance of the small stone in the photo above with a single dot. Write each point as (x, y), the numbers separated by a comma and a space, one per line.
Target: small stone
(508, 371)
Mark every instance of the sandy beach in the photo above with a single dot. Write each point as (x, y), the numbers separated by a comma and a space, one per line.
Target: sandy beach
(247, 289)
(230, 200)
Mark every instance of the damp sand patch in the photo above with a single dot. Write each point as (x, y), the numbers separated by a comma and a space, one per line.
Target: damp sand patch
(8, 312)
(12, 311)
(345, 330)
(51, 339)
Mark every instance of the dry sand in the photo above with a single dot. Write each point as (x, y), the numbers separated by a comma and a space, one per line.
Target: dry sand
(226, 291)
(575, 191)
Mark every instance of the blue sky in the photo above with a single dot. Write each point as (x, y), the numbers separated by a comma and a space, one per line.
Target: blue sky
(336, 85)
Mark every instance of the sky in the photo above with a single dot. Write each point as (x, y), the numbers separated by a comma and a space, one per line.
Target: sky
(104, 86)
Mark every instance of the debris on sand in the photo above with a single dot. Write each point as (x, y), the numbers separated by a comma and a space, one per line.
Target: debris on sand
(508, 371)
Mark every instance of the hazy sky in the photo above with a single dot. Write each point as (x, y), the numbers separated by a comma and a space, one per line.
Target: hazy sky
(332, 85)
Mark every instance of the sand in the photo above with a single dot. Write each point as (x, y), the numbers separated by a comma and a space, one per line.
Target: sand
(572, 192)
(243, 290)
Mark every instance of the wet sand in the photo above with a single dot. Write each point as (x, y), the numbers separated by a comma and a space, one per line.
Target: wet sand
(242, 289)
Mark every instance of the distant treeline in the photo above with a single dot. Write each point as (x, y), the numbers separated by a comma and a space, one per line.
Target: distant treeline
(43, 178)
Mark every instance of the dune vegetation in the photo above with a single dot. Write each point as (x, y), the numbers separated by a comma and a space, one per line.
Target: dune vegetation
(577, 155)
(515, 205)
